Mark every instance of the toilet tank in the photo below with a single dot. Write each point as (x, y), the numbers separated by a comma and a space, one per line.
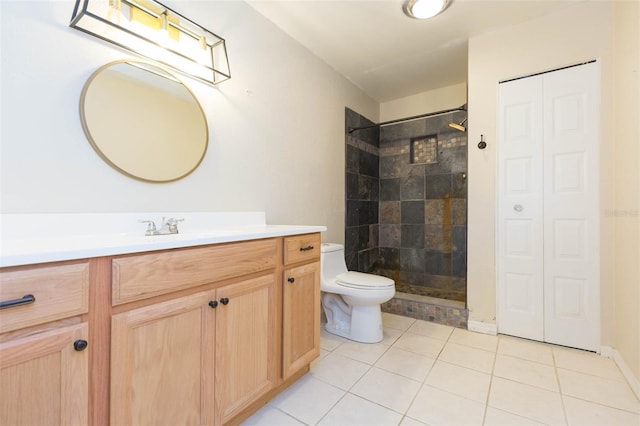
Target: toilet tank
(332, 260)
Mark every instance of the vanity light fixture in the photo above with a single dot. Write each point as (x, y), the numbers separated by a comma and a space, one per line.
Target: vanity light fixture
(424, 9)
(152, 30)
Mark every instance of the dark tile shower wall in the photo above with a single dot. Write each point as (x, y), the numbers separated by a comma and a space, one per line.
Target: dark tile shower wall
(362, 194)
(406, 212)
(422, 231)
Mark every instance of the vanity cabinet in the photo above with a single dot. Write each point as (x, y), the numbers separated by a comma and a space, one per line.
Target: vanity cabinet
(301, 303)
(162, 361)
(44, 345)
(300, 318)
(201, 335)
(204, 357)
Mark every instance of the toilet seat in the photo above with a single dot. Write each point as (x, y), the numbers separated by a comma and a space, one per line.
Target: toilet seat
(362, 281)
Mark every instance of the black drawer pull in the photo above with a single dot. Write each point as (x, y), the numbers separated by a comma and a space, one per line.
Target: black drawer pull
(307, 248)
(24, 300)
(291, 280)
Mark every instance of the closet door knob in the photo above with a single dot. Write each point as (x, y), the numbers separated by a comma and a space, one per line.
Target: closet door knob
(224, 301)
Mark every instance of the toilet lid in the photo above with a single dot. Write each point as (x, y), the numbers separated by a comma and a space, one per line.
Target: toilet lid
(363, 281)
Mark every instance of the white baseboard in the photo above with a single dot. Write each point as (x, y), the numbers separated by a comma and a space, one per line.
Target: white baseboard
(482, 327)
(624, 368)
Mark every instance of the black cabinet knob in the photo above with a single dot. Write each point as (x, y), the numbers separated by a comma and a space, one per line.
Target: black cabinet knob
(291, 280)
(213, 304)
(224, 301)
(80, 345)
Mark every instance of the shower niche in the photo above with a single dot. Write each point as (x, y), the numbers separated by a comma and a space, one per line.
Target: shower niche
(406, 211)
(424, 150)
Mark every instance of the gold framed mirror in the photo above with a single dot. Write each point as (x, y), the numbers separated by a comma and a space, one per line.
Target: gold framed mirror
(143, 121)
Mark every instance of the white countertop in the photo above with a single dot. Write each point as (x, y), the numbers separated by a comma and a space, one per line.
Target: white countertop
(38, 238)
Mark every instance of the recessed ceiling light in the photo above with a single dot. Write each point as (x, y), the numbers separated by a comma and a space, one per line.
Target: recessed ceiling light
(423, 9)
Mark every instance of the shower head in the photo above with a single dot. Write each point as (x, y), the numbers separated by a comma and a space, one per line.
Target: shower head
(459, 126)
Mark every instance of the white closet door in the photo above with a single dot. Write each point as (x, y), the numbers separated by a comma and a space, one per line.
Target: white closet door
(520, 273)
(571, 204)
(548, 203)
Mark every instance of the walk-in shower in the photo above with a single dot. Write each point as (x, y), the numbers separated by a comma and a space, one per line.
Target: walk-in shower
(406, 205)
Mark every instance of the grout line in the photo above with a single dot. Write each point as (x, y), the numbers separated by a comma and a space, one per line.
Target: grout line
(555, 370)
(493, 369)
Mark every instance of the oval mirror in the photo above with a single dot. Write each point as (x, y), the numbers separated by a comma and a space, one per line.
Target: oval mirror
(143, 121)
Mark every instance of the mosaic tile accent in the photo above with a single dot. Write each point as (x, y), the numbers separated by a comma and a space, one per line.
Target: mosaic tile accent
(425, 150)
(361, 145)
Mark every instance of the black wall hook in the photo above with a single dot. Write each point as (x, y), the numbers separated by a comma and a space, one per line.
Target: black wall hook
(482, 144)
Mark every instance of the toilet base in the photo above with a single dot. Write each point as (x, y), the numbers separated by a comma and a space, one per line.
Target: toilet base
(365, 325)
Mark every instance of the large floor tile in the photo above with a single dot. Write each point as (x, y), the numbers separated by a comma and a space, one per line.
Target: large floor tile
(420, 344)
(436, 407)
(271, 416)
(339, 371)
(431, 329)
(586, 413)
(525, 349)
(387, 389)
(367, 353)
(527, 372)
(308, 399)
(408, 421)
(607, 392)
(527, 401)
(329, 341)
(495, 417)
(486, 342)
(405, 363)
(466, 356)
(355, 411)
(587, 362)
(470, 384)
(397, 322)
(390, 335)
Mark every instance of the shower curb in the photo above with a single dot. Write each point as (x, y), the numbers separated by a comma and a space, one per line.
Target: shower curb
(440, 311)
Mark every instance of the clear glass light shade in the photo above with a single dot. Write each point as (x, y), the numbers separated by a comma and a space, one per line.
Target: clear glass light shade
(424, 9)
(151, 30)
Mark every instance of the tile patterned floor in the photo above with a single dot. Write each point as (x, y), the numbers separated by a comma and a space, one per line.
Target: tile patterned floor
(429, 374)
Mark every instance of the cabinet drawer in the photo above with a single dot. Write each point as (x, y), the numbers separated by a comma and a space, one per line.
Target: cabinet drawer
(301, 248)
(60, 292)
(142, 276)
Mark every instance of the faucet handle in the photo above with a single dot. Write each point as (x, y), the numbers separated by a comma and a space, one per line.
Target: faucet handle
(151, 227)
(172, 222)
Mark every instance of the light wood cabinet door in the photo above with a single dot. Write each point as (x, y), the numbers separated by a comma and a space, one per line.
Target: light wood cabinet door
(247, 344)
(301, 317)
(44, 379)
(161, 363)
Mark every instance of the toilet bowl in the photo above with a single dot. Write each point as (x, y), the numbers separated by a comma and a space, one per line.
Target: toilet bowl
(351, 300)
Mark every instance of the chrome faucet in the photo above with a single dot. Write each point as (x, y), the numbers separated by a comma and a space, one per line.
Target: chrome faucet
(169, 226)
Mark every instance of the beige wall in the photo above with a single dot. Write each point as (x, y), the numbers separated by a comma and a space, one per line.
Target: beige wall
(579, 32)
(425, 102)
(626, 212)
(276, 128)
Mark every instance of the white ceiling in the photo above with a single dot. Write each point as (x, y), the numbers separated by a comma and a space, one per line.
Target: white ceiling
(387, 54)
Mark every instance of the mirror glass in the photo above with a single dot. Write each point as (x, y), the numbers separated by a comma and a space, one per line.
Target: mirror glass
(143, 121)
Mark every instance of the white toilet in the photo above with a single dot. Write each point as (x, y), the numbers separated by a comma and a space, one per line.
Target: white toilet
(351, 300)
